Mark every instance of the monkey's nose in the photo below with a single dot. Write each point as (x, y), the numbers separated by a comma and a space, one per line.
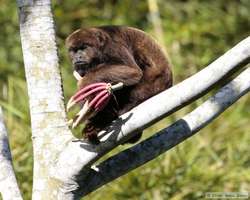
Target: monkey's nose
(78, 57)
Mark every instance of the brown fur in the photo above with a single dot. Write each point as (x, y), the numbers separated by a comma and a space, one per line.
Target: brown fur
(119, 54)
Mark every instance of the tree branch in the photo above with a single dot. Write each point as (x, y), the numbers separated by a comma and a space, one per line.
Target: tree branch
(81, 154)
(167, 138)
(8, 183)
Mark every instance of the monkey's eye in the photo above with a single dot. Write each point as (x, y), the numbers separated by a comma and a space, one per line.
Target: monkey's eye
(82, 47)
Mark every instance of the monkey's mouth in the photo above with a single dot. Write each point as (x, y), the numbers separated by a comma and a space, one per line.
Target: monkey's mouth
(80, 64)
(81, 69)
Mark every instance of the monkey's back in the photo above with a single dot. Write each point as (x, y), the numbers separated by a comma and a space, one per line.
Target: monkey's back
(157, 74)
(149, 56)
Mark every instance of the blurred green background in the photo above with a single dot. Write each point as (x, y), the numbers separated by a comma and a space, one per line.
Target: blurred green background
(194, 33)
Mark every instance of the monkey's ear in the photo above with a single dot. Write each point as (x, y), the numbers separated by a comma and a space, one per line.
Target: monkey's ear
(102, 38)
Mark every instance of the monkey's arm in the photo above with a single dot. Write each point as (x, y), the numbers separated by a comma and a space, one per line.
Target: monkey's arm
(124, 70)
(112, 74)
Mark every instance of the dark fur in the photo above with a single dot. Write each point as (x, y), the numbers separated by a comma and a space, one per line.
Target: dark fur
(119, 54)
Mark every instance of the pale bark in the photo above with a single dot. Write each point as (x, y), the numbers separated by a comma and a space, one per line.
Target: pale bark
(8, 183)
(167, 138)
(151, 111)
(50, 132)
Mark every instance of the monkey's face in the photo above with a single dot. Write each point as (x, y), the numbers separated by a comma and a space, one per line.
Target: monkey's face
(83, 57)
(84, 48)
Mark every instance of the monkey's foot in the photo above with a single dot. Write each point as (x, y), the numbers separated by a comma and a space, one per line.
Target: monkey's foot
(101, 93)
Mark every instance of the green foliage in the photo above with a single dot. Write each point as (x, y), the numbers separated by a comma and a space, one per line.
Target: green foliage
(195, 33)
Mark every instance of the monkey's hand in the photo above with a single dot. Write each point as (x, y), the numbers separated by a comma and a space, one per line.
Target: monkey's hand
(95, 97)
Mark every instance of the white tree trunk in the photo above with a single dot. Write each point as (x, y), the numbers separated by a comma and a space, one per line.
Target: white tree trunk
(50, 132)
(8, 184)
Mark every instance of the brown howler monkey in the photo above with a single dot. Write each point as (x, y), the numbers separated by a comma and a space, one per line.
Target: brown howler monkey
(115, 54)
